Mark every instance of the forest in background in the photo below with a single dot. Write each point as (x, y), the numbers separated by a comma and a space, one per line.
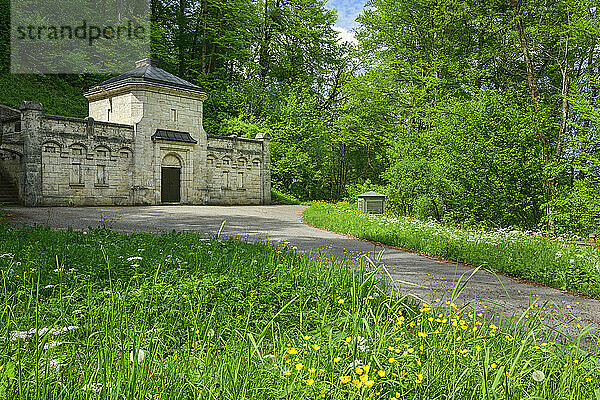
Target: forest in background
(469, 112)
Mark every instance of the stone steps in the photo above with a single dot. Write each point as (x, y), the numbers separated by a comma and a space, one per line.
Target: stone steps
(9, 194)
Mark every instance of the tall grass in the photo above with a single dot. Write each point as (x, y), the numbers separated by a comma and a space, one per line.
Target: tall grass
(519, 254)
(182, 316)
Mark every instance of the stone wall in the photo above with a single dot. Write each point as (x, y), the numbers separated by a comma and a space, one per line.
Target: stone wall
(234, 168)
(85, 162)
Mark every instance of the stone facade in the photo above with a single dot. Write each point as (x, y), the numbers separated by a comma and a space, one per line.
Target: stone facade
(144, 129)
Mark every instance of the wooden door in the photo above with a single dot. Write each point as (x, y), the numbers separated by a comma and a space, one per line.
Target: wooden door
(170, 187)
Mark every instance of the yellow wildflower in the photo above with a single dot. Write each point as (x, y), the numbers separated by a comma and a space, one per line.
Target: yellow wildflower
(358, 371)
(345, 378)
(392, 360)
(292, 350)
(316, 346)
(337, 359)
(309, 381)
(381, 373)
(312, 370)
(369, 383)
(299, 366)
(307, 337)
(287, 372)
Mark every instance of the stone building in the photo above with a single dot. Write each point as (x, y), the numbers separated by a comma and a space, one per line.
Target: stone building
(143, 143)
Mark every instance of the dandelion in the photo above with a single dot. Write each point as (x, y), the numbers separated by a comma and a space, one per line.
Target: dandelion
(538, 376)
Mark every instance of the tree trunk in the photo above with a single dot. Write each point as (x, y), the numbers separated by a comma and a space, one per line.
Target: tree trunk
(533, 89)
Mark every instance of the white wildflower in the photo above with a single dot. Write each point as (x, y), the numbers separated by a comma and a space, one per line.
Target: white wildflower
(355, 363)
(210, 333)
(96, 387)
(134, 258)
(53, 364)
(51, 344)
(48, 286)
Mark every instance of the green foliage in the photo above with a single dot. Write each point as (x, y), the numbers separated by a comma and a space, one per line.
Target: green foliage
(577, 209)
(518, 254)
(243, 127)
(478, 162)
(61, 95)
(473, 132)
(181, 316)
(279, 197)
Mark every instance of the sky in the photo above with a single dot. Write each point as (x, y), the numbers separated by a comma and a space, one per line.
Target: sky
(347, 11)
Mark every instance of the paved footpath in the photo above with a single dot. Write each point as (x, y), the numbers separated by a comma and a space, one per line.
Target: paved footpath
(423, 277)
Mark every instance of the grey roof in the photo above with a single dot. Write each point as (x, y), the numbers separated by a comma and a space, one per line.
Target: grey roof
(7, 112)
(147, 71)
(372, 194)
(174, 136)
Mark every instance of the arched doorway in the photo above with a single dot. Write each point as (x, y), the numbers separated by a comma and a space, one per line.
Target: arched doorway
(170, 179)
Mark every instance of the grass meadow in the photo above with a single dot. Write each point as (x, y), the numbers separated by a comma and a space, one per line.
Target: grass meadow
(525, 255)
(103, 315)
